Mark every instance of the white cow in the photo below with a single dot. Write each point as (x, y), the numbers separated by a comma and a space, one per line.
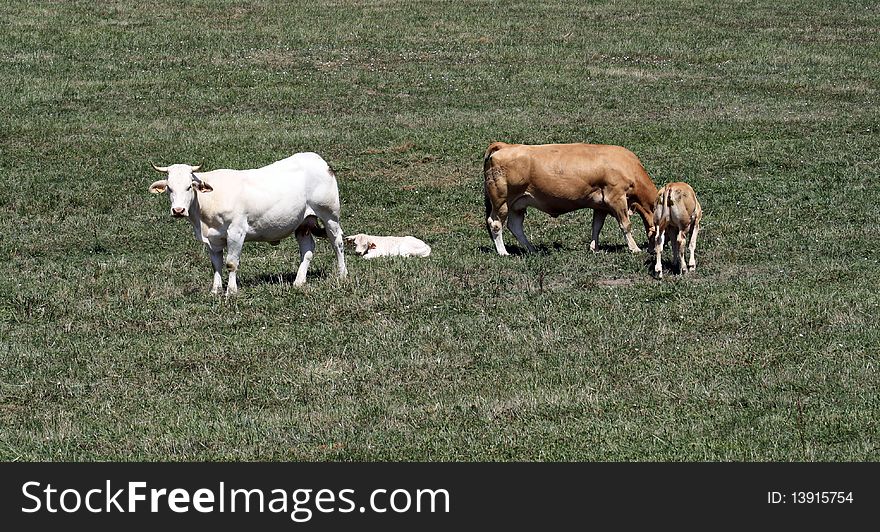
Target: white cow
(370, 246)
(228, 207)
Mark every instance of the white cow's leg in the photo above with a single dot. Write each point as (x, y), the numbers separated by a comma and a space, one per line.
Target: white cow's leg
(306, 251)
(217, 263)
(334, 233)
(692, 246)
(598, 222)
(234, 243)
(658, 251)
(515, 219)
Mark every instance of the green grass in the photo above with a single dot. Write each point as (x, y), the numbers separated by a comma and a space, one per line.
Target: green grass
(112, 348)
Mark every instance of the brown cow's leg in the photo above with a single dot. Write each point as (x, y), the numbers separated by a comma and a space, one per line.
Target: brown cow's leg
(515, 220)
(648, 222)
(495, 222)
(496, 207)
(598, 222)
(621, 214)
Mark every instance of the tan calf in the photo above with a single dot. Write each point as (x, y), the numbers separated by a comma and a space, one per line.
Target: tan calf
(677, 213)
(560, 178)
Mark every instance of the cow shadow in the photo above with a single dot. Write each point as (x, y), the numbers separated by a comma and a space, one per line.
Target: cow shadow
(516, 250)
(286, 278)
(667, 263)
(547, 249)
(612, 248)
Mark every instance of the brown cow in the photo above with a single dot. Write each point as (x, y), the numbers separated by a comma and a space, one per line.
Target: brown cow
(677, 213)
(560, 178)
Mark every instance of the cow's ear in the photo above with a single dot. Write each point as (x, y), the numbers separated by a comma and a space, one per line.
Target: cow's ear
(159, 187)
(201, 186)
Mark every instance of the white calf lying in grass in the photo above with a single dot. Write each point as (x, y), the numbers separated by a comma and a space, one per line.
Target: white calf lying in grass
(370, 246)
(676, 213)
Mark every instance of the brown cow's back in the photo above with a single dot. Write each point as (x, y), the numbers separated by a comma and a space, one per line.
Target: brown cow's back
(560, 178)
(565, 177)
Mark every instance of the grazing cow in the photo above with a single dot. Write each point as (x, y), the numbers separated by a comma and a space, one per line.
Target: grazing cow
(228, 207)
(560, 178)
(370, 246)
(677, 213)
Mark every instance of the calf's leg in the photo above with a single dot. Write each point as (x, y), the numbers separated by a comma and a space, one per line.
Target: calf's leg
(692, 246)
(681, 241)
(658, 251)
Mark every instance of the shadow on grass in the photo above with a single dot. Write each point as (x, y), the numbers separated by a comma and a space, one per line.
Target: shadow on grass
(516, 250)
(668, 265)
(281, 278)
(545, 249)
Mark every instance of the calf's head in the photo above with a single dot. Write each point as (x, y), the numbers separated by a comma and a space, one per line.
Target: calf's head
(361, 242)
(181, 183)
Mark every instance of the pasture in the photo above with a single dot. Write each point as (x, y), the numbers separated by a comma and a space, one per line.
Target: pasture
(113, 348)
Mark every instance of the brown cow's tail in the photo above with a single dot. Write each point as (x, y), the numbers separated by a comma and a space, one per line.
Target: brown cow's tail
(488, 204)
(495, 146)
(487, 166)
(489, 151)
(643, 212)
(319, 231)
(647, 221)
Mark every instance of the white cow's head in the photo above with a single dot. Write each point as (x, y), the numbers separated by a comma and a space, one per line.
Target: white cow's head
(181, 185)
(362, 243)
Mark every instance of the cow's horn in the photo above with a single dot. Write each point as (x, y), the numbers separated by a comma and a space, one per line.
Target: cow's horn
(163, 169)
(196, 168)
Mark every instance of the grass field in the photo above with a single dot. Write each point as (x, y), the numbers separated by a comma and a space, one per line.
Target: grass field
(112, 347)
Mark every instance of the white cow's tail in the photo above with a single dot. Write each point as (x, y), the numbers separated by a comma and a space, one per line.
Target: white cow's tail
(310, 225)
(319, 230)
